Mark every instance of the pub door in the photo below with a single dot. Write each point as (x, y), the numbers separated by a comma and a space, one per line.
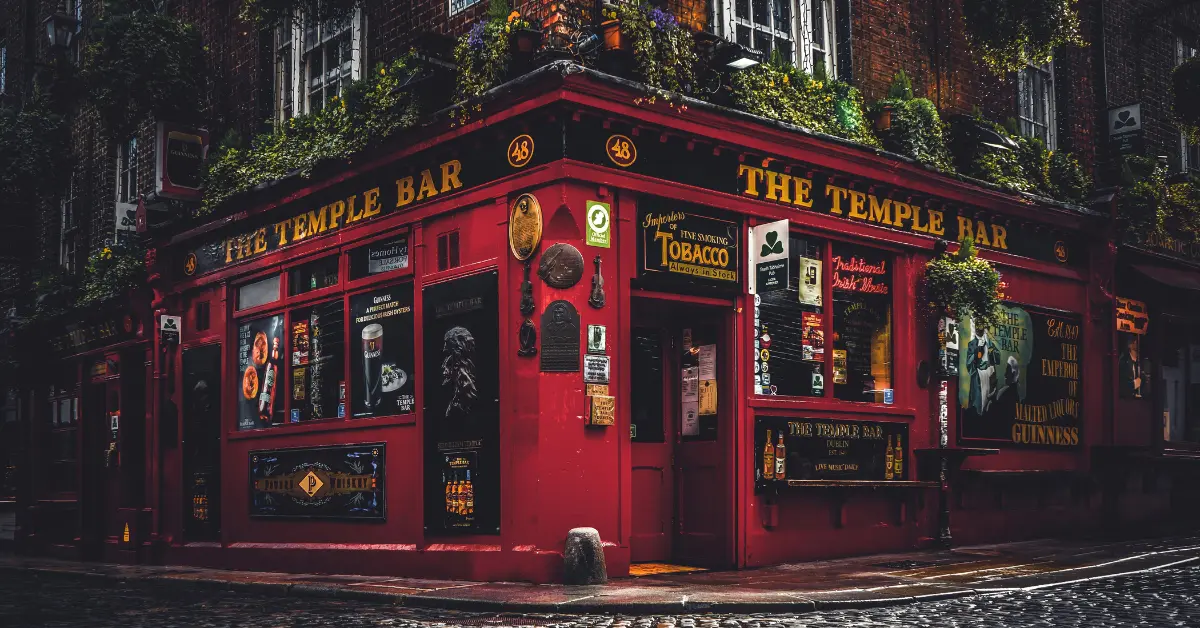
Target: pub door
(202, 443)
(680, 394)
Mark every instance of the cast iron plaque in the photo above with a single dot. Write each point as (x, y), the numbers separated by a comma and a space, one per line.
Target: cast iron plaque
(560, 338)
(561, 266)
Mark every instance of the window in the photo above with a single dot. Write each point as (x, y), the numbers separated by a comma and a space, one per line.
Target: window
(3, 66)
(315, 61)
(1179, 384)
(800, 32)
(61, 423)
(862, 324)
(68, 235)
(313, 276)
(379, 257)
(12, 442)
(1035, 107)
(1189, 152)
(790, 348)
(258, 293)
(127, 179)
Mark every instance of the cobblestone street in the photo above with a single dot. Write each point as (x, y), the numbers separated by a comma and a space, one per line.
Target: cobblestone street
(1168, 597)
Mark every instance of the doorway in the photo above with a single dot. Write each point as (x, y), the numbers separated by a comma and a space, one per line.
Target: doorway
(202, 443)
(681, 386)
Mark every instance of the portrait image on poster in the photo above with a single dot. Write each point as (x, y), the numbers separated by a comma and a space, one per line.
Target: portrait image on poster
(381, 365)
(461, 334)
(260, 347)
(1019, 380)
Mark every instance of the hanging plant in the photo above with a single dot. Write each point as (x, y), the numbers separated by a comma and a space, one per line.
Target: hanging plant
(276, 11)
(1009, 34)
(1153, 204)
(110, 273)
(780, 91)
(143, 63)
(371, 110)
(1185, 94)
(483, 54)
(914, 128)
(664, 51)
(964, 284)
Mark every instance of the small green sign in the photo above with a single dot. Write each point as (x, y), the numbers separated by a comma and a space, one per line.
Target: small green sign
(599, 224)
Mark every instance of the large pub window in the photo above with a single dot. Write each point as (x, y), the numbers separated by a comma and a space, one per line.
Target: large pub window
(1180, 379)
(313, 344)
(800, 350)
(61, 462)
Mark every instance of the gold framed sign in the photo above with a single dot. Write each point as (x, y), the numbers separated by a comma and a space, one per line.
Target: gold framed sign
(524, 226)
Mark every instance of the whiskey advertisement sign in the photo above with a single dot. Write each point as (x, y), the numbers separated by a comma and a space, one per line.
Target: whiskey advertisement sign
(461, 331)
(1019, 380)
(826, 449)
(259, 347)
(340, 482)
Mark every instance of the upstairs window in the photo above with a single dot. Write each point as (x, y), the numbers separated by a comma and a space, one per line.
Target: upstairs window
(69, 227)
(801, 32)
(127, 171)
(1035, 103)
(315, 61)
(1189, 152)
(3, 66)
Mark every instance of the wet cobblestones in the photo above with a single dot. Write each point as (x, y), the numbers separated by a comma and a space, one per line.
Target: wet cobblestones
(1165, 598)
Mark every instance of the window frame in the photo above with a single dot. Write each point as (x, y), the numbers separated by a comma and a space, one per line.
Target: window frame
(342, 291)
(799, 32)
(51, 428)
(828, 396)
(291, 54)
(127, 170)
(68, 241)
(1189, 153)
(1036, 83)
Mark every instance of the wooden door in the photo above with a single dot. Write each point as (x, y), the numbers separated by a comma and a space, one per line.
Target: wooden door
(202, 443)
(653, 494)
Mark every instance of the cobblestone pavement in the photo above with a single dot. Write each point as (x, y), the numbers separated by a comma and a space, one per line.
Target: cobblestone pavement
(1168, 597)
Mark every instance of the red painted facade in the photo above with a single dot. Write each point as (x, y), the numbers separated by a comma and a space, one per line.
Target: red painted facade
(682, 500)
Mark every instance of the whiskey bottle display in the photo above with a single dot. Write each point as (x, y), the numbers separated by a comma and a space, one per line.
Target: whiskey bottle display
(898, 459)
(888, 460)
(769, 459)
(266, 400)
(449, 488)
(780, 459)
(469, 500)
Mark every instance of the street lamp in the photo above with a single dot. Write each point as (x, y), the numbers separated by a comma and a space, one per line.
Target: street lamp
(60, 29)
(734, 56)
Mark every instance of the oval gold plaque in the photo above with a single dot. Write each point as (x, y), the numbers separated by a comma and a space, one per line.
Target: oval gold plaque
(524, 226)
(561, 266)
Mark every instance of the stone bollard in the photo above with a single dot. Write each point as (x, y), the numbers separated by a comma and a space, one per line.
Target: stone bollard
(583, 558)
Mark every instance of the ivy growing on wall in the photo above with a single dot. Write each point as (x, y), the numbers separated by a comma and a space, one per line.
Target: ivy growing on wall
(1154, 204)
(664, 50)
(483, 54)
(1008, 34)
(142, 63)
(34, 150)
(111, 273)
(275, 11)
(916, 129)
(1024, 166)
(370, 110)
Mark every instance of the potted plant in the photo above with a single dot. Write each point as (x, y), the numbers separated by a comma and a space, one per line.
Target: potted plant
(610, 29)
(962, 284)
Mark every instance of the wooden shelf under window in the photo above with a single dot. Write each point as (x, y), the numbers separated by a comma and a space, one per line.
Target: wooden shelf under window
(870, 484)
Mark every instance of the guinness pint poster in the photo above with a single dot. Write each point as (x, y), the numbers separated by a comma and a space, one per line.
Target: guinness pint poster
(461, 332)
(259, 347)
(381, 361)
(1019, 380)
(340, 482)
(678, 241)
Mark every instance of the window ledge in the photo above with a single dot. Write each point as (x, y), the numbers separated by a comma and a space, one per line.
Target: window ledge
(324, 425)
(830, 406)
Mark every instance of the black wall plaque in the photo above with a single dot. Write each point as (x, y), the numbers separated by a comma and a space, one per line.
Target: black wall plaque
(340, 482)
(560, 338)
(826, 449)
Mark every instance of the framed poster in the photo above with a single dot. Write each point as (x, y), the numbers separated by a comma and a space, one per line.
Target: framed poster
(259, 350)
(1019, 381)
(340, 482)
(381, 361)
(461, 333)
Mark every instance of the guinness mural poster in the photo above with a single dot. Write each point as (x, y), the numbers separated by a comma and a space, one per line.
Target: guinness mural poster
(1019, 380)
(461, 332)
(381, 346)
(259, 346)
(340, 482)
(678, 241)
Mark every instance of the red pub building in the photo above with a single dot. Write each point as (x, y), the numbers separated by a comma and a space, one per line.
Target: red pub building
(701, 333)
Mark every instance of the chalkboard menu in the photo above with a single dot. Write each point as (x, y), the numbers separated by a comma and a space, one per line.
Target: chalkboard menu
(826, 449)
(1019, 380)
(789, 345)
(259, 350)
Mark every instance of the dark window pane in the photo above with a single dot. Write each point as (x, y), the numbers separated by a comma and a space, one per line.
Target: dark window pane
(316, 275)
(792, 327)
(317, 362)
(742, 9)
(862, 324)
(784, 47)
(762, 14)
(743, 35)
(646, 392)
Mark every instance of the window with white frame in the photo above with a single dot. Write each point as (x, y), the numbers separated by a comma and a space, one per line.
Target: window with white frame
(69, 232)
(127, 171)
(1189, 153)
(74, 8)
(801, 32)
(1035, 103)
(3, 66)
(315, 61)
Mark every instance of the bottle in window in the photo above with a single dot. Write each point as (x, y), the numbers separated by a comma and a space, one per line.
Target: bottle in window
(769, 459)
(780, 459)
(266, 400)
(889, 460)
(898, 459)
(469, 511)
